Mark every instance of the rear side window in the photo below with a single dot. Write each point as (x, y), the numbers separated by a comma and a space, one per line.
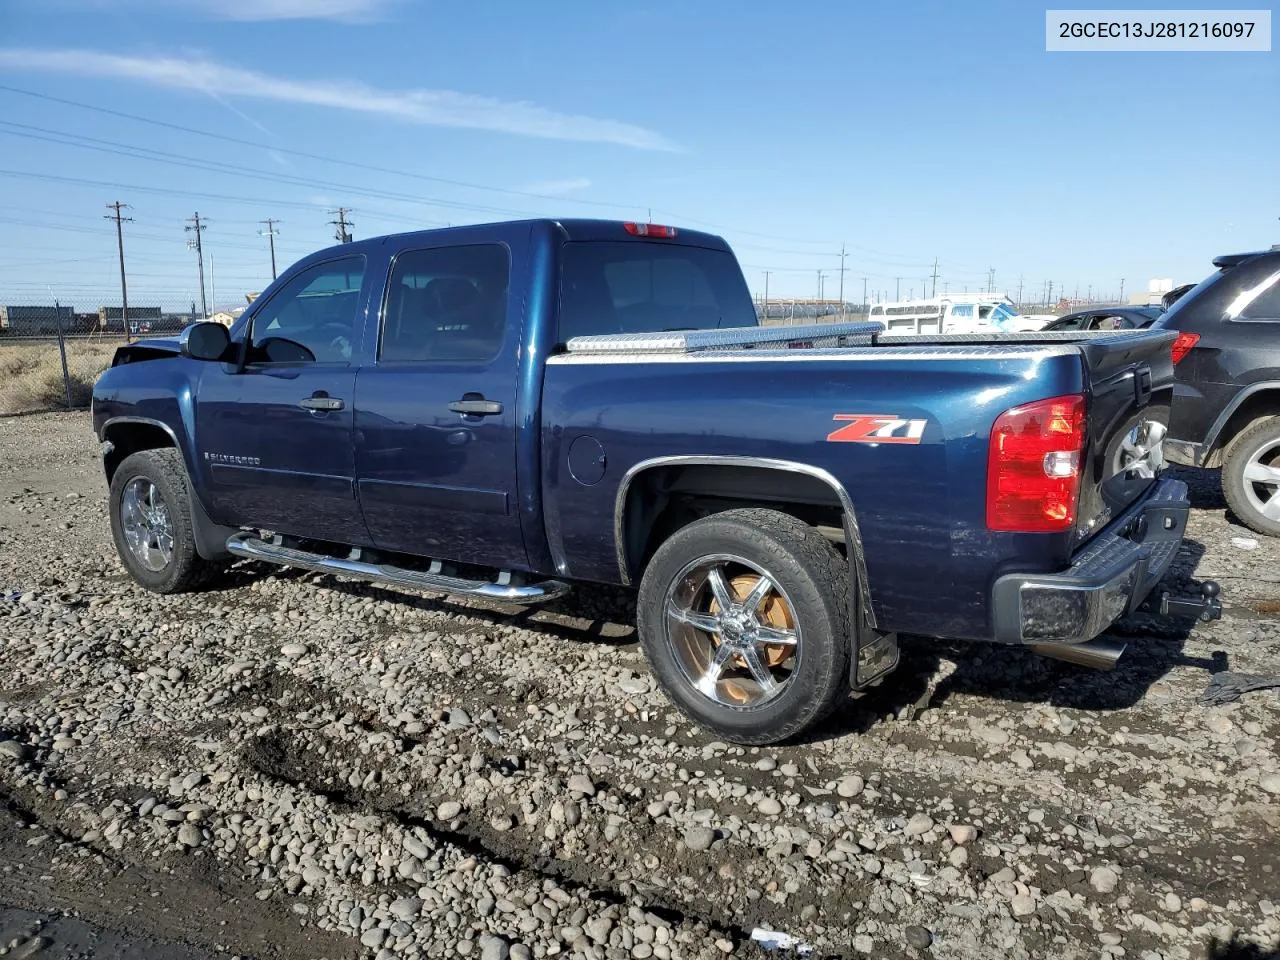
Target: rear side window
(1263, 300)
(446, 304)
(642, 287)
(1170, 317)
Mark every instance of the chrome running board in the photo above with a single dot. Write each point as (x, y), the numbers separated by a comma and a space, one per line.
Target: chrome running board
(250, 547)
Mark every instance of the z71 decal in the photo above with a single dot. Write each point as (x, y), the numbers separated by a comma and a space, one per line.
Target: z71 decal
(876, 428)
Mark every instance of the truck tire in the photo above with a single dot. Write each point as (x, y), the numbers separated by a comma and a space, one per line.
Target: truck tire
(744, 617)
(1251, 477)
(151, 522)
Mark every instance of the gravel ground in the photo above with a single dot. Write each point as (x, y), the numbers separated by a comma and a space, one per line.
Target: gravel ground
(291, 765)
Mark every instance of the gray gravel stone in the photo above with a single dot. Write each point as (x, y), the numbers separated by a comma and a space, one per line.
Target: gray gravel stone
(917, 936)
(448, 810)
(1104, 879)
(582, 785)
(15, 750)
(699, 838)
(850, 786)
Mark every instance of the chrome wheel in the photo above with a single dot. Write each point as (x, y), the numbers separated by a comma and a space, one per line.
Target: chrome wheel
(147, 525)
(1262, 480)
(1142, 452)
(731, 630)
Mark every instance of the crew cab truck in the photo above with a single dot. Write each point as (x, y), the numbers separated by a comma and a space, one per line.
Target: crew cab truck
(503, 410)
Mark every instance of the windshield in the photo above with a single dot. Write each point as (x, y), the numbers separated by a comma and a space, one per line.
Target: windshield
(1002, 315)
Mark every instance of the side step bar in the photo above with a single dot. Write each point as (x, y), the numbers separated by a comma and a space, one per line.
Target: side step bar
(250, 547)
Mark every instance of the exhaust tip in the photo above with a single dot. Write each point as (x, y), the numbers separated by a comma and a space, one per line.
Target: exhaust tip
(1098, 654)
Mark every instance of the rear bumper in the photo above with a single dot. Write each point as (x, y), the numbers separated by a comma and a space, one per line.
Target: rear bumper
(1109, 578)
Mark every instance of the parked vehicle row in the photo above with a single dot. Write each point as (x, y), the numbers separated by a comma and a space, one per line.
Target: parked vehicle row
(501, 410)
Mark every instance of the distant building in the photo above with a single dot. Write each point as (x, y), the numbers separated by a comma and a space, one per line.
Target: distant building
(33, 321)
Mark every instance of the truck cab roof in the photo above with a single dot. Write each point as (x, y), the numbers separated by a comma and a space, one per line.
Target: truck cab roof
(573, 229)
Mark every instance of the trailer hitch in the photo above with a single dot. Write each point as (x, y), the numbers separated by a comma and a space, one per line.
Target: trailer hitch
(1205, 607)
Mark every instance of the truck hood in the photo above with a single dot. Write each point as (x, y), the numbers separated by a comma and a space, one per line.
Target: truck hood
(153, 348)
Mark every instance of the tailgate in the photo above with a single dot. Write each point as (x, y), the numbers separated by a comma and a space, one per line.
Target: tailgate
(1129, 378)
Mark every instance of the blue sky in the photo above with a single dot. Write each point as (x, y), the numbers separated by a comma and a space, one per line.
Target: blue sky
(904, 131)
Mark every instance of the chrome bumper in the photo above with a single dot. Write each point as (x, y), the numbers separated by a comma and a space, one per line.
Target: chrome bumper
(1109, 578)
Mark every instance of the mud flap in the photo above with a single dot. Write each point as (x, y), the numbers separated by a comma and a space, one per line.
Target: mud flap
(876, 656)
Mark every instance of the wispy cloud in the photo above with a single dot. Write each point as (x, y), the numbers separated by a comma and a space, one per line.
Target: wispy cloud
(348, 11)
(557, 187)
(443, 108)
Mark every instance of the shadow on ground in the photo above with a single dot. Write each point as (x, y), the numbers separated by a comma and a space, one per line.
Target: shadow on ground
(931, 671)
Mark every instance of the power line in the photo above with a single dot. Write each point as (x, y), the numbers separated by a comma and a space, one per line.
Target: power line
(375, 168)
(124, 288)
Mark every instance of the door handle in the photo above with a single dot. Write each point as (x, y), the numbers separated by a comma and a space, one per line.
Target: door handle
(321, 404)
(476, 408)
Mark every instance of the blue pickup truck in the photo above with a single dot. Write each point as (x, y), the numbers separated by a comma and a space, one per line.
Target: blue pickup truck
(502, 410)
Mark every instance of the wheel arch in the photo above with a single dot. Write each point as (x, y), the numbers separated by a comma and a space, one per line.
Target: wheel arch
(124, 436)
(1258, 401)
(643, 502)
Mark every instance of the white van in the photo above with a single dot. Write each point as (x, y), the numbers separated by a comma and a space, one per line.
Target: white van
(956, 313)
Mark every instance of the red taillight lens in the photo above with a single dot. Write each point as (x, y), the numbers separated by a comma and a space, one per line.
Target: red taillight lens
(649, 230)
(1182, 346)
(1034, 464)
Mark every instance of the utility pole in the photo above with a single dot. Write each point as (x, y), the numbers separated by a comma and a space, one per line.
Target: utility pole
(124, 288)
(1019, 300)
(195, 227)
(342, 234)
(1049, 299)
(1122, 289)
(1089, 295)
(766, 294)
(935, 277)
(842, 256)
(865, 307)
(991, 280)
(270, 234)
(820, 279)
(897, 288)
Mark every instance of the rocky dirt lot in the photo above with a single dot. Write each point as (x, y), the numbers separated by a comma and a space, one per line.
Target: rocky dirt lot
(289, 765)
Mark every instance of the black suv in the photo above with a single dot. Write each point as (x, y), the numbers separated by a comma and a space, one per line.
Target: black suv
(1226, 408)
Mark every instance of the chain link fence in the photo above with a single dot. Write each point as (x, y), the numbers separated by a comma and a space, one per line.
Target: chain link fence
(51, 354)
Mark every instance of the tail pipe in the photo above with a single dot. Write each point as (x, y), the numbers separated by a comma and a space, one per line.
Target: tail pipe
(1098, 654)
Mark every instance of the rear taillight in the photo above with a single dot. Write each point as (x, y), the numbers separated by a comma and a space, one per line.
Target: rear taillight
(1182, 346)
(1034, 464)
(649, 230)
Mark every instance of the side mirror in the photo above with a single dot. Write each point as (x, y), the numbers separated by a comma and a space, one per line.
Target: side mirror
(204, 340)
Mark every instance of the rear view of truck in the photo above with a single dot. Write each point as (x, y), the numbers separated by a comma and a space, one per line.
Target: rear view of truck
(788, 500)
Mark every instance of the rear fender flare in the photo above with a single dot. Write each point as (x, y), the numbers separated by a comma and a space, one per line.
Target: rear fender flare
(1211, 440)
(864, 615)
